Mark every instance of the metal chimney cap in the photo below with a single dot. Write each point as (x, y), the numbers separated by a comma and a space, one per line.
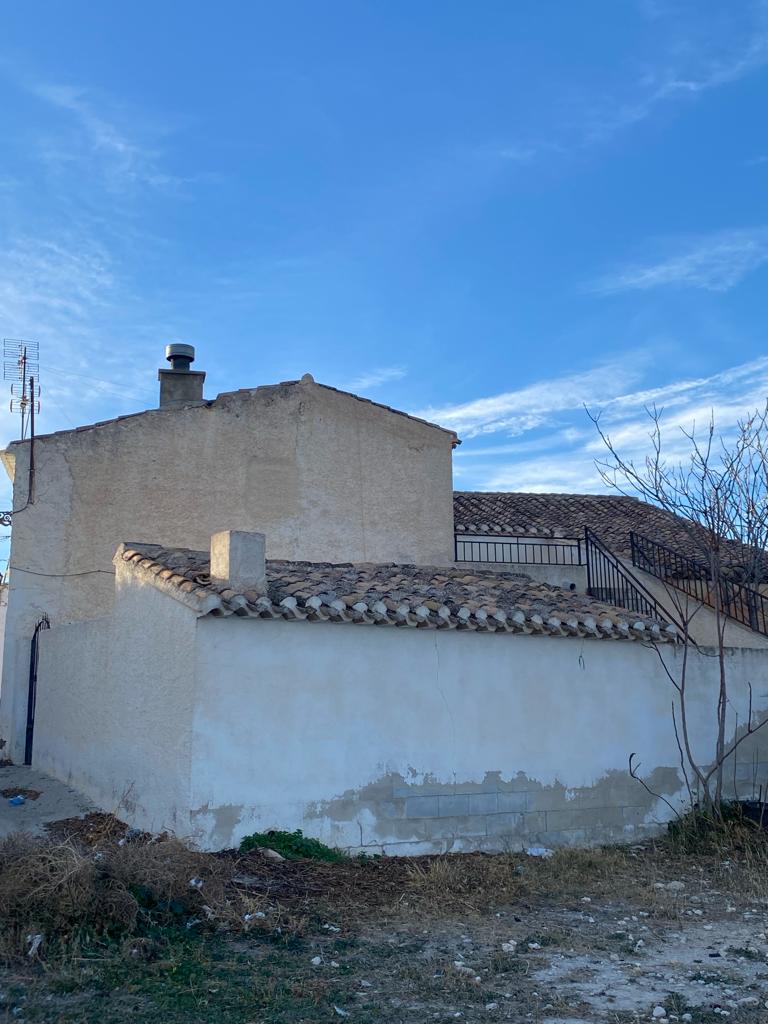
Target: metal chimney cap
(181, 352)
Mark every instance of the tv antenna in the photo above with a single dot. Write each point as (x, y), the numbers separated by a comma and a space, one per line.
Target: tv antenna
(21, 366)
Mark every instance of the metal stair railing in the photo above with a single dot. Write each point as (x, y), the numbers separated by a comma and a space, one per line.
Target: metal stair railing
(738, 601)
(608, 580)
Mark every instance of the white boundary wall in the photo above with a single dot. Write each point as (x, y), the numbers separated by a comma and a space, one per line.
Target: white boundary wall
(406, 740)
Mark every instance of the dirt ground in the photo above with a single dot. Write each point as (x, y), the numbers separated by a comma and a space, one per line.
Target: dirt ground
(616, 935)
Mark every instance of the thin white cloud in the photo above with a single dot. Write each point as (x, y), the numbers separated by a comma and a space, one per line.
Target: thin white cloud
(716, 262)
(66, 293)
(517, 412)
(97, 142)
(375, 378)
(559, 454)
(704, 54)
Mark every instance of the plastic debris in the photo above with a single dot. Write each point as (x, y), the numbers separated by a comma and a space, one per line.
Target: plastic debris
(196, 883)
(130, 835)
(17, 801)
(341, 1013)
(316, 961)
(540, 851)
(509, 947)
(270, 854)
(331, 928)
(35, 941)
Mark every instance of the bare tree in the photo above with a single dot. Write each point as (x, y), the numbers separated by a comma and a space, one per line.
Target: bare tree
(719, 493)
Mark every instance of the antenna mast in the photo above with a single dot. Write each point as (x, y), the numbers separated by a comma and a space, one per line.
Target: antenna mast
(21, 366)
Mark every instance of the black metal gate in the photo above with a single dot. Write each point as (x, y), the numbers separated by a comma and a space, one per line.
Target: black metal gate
(34, 654)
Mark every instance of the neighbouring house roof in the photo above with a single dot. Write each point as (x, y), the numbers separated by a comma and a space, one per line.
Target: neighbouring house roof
(397, 595)
(611, 516)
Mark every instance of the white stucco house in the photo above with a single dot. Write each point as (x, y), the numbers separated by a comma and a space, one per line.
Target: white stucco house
(270, 610)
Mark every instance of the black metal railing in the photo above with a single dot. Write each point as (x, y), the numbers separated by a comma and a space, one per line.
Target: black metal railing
(520, 551)
(609, 581)
(742, 603)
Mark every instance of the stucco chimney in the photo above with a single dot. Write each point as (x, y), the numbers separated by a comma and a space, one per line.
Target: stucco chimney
(238, 560)
(180, 385)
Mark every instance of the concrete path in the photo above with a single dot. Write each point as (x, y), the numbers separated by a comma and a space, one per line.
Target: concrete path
(56, 801)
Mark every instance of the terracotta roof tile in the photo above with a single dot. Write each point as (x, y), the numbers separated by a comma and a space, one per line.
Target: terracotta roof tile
(611, 516)
(400, 595)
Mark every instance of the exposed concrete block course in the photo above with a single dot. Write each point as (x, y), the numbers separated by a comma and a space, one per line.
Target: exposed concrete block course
(454, 805)
(483, 803)
(584, 817)
(473, 826)
(422, 807)
(507, 802)
(503, 824)
(634, 815)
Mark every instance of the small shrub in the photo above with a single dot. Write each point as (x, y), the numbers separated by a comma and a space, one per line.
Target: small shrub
(291, 845)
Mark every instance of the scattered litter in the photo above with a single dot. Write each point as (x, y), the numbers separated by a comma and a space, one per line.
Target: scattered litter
(17, 801)
(130, 835)
(463, 969)
(540, 851)
(331, 928)
(366, 984)
(509, 947)
(270, 854)
(341, 1013)
(193, 922)
(316, 961)
(491, 1006)
(196, 883)
(586, 899)
(534, 945)
(35, 942)
(334, 963)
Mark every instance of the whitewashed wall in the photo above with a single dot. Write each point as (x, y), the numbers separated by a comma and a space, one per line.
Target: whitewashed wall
(326, 476)
(384, 738)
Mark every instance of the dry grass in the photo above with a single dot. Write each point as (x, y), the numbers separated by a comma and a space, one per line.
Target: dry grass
(469, 881)
(71, 894)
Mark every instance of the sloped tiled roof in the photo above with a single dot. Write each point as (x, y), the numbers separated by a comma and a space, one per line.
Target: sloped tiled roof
(611, 516)
(396, 595)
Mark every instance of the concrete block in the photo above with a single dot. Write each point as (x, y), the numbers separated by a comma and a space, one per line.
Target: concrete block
(507, 802)
(468, 826)
(634, 815)
(483, 803)
(584, 817)
(533, 824)
(505, 824)
(454, 805)
(570, 837)
(422, 807)
(391, 809)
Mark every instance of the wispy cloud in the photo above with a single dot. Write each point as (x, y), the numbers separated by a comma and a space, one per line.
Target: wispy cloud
(557, 452)
(66, 292)
(518, 412)
(704, 54)
(98, 141)
(375, 378)
(715, 263)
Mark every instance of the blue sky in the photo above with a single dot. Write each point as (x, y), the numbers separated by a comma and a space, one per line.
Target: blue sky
(486, 213)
